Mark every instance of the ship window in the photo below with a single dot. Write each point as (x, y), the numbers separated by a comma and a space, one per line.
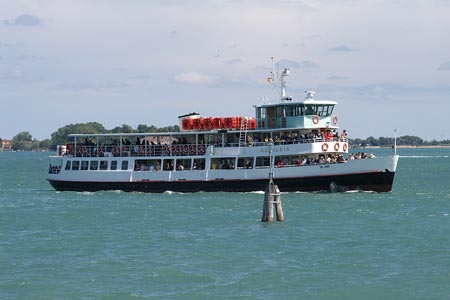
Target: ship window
(262, 113)
(183, 164)
(291, 111)
(262, 162)
(311, 110)
(168, 164)
(280, 111)
(245, 163)
(286, 161)
(147, 165)
(103, 165)
(94, 165)
(199, 164)
(222, 163)
(124, 165)
(68, 163)
(300, 110)
(75, 165)
(84, 165)
(114, 165)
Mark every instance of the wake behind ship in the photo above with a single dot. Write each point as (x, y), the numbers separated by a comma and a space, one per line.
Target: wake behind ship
(298, 140)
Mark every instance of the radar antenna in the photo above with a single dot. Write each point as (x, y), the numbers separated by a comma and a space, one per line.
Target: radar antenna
(271, 79)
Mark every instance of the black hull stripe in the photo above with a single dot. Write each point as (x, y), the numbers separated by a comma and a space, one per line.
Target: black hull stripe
(377, 182)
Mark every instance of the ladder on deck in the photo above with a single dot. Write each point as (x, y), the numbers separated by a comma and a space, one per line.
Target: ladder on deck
(243, 133)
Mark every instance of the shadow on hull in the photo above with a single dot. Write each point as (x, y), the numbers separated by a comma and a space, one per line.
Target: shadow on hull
(377, 182)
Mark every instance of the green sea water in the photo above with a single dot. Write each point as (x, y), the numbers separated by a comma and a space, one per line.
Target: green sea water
(116, 245)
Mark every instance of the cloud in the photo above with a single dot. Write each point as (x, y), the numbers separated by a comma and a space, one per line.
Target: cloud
(304, 65)
(336, 77)
(24, 20)
(444, 66)
(193, 78)
(343, 48)
(234, 61)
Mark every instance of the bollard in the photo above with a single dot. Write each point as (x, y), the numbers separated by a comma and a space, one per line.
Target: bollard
(267, 215)
(272, 198)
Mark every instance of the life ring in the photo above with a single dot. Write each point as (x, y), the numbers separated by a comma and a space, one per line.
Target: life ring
(345, 147)
(335, 120)
(315, 119)
(324, 147)
(336, 146)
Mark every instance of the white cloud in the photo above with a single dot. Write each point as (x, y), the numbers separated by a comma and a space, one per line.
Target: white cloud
(343, 48)
(444, 66)
(24, 20)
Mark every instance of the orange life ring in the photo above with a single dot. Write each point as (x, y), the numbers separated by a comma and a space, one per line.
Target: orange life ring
(345, 147)
(335, 120)
(315, 119)
(336, 146)
(324, 147)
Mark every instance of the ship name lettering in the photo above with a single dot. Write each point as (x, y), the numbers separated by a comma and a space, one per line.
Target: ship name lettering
(276, 149)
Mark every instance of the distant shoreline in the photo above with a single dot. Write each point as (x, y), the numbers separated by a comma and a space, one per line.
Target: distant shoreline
(404, 146)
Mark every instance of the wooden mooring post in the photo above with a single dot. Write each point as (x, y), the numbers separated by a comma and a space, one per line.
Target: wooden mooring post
(272, 198)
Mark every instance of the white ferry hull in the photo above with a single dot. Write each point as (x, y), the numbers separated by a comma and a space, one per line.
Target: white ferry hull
(375, 174)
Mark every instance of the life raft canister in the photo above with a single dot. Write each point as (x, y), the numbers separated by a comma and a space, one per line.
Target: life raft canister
(315, 119)
(324, 147)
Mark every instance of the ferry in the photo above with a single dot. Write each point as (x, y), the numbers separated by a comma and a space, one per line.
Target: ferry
(296, 143)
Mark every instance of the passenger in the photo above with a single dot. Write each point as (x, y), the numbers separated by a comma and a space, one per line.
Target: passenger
(343, 136)
(371, 155)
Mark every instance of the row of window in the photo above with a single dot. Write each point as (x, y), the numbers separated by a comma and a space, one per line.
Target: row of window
(94, 165)
(178, 164)
(295, 110)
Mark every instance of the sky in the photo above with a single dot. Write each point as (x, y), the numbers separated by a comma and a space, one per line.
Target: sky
(386, 62)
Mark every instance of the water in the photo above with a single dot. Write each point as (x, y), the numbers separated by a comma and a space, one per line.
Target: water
(116, 245)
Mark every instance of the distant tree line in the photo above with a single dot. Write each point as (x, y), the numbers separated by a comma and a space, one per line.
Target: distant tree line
(406, 140)
(24, 141)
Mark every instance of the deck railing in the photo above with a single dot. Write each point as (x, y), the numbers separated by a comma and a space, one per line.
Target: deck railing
(82, 150)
